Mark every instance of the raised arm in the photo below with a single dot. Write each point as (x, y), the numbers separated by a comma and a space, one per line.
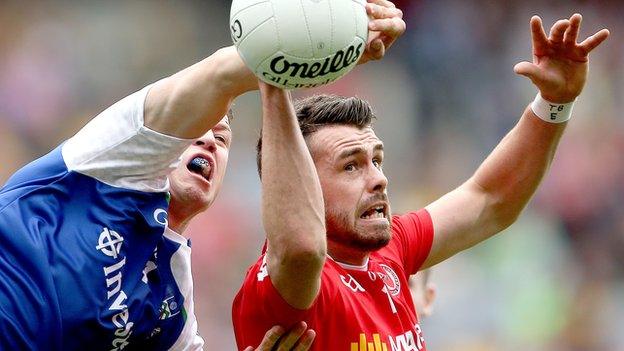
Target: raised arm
(494, 196)
(190, 102)
(293, 213)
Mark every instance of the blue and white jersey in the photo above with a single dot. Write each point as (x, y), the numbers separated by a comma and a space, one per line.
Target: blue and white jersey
(86, 258)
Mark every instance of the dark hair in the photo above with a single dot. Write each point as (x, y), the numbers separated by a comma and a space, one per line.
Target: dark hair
(230, 115)
(318, 111)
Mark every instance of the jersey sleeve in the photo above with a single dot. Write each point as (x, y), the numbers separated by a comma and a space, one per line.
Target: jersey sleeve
(117, 149)
(412, 237)
(258, 306)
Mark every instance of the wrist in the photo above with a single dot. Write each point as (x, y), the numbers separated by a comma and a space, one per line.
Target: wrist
(551, 112)
(233, 72)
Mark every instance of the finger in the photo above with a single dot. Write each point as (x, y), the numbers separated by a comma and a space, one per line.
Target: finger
(376, 49)
(378, 11)
(590, 43)
(384, 3)
(306, 340)
(249, 348)
(540, 41)
(557, 30)
(270, 338)
(529, 70)
(290, 339)
(392, 27)
(571, 34)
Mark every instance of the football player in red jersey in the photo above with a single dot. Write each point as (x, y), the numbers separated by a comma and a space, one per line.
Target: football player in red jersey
(336, 257)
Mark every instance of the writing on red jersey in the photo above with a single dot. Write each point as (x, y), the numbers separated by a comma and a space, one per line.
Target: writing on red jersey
(411, 340)
(351, 283)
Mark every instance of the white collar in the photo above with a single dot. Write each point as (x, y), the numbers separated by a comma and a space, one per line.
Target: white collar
(174, 236)
(363, 267)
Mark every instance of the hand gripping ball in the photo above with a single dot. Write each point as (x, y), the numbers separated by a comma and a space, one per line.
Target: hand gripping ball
(299, 43)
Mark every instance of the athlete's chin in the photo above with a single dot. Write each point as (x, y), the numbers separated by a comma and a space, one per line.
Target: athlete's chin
(373, 225)
(202, 199)
(372, 240)
(371, 244)
(191, 196)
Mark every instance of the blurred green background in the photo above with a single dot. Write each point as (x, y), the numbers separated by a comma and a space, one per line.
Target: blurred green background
(444, 96)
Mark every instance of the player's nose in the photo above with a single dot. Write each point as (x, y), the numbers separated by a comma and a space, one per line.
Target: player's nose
(378, 182)
(207, 142)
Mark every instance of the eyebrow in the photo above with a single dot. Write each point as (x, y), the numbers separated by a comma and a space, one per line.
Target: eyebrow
(358, 149)
(224, 126)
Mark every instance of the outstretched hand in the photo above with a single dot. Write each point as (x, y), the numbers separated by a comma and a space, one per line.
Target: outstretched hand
(559, 67)
(299, 338)
(385, 26)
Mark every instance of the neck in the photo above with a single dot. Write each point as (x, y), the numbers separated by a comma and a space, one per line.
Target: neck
(344, 254)
(179, 217)
(176, 225)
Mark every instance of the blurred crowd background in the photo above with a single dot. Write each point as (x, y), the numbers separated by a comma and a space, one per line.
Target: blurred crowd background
(444, 96)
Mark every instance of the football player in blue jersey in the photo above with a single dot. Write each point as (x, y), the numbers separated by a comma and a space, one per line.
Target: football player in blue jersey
(194, 185)
(90, 257)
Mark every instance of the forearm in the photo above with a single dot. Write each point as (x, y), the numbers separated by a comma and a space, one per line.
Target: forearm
(494, 196)
(292, 204)
(513, 171)
(190, 102)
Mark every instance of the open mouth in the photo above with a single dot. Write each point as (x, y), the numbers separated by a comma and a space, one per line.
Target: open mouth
(378, 211)
(201, 166)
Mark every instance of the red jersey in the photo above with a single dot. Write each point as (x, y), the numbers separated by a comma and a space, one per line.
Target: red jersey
(366, 308)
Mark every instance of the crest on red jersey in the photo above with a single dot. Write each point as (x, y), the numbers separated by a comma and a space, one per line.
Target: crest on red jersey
(391, 279)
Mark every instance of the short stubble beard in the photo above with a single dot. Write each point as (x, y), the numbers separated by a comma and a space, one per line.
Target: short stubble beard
(342, 230)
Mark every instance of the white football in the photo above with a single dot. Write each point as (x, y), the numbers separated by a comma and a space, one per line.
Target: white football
(299, 43)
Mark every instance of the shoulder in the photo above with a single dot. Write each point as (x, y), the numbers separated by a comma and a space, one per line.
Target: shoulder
(33, 195)
(412, 222)
(412, 238)
(41, 171)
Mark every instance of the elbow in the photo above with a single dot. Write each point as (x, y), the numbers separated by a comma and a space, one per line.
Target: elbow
(295, 270)
(501, 207)
(507, 219)
(505, 212)
(306, 252)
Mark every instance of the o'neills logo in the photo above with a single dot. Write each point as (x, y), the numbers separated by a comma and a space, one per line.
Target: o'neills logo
(335, 63)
